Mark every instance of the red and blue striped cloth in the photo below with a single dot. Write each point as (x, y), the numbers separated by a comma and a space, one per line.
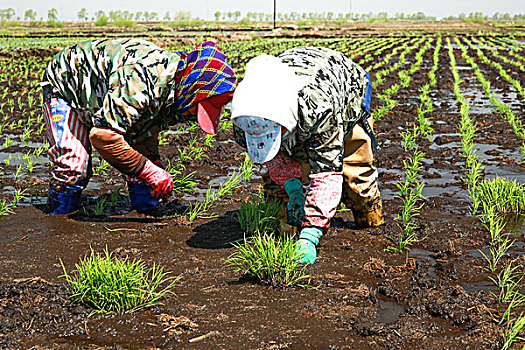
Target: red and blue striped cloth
(203, 73)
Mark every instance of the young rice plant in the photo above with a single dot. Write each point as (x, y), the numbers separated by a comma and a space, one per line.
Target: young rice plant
(259, 215)
(269, 260)
(107, 284)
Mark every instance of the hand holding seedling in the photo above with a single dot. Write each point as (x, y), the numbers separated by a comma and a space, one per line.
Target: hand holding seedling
(307, 243)
(159, 179)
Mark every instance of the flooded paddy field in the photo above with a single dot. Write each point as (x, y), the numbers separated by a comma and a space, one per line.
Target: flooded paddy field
(437, 295)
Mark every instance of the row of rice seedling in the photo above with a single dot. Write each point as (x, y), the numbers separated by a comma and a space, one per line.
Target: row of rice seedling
(407, 47)
(484, 194)
(467, 130)
(483, 42)
(404, 75)
(266, 255)
(500, 196)
(513, 47)
(512, 44)
(377, 50)
(514, 121)
(503, 73)
(410, 190)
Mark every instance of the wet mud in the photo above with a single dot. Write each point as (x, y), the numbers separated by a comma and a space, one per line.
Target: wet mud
(435, 297)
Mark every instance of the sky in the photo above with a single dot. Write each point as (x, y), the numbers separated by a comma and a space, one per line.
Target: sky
(205, 9)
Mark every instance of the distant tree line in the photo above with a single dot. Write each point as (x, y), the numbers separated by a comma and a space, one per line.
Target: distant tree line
(9, 14)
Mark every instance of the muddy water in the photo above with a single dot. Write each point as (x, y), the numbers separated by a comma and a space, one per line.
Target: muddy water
(435, 297)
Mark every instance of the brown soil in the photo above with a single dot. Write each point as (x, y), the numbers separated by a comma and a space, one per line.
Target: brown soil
(437, 297)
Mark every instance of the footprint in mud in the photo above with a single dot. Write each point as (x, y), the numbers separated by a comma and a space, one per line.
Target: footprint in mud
(389, 312)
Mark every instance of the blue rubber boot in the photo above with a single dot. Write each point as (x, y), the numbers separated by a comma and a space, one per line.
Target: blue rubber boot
(140, 196)
(65, 201)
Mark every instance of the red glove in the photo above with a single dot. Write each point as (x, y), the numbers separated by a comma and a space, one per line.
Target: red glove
(158, 178)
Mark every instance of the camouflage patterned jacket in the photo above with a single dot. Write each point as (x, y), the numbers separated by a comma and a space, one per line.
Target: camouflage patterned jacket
(124, 84)
(329, 106)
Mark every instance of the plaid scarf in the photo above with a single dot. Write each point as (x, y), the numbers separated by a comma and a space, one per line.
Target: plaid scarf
(202, 73)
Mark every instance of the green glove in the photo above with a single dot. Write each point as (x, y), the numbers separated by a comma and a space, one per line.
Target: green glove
(307, 244)
(296, 199)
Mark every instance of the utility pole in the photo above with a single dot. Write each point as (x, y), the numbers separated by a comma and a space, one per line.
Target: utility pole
(274, 12)
(350, 19)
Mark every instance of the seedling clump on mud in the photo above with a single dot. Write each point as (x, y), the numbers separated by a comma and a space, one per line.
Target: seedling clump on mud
(108, 284)
(259, 215)
(503, 195)
(269, 260)
(266, 257)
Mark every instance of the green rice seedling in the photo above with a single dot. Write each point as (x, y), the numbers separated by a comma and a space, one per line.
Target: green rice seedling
(163, 139)
(7, 161)
(102, 168)
(19, 171)
(195, 151)
(185, 129)
(474, 173)
(107, 284)
(30, 101)
(259, 215)
(208, 139)
(493, 222)
(114, 197)
(6, 208)
(30, 165)
(7, 142)
(512, 331)
(409, 139)
(503, 195)
(227, 124)
(18, 196)
(100, 207)
(508, 281)
(198, 209)
(517, 300)
(38, 153)
(40, 129)
(342, 207)
(181, 183)
(269, 260)
(246, 168)
(496, 253)
(409, 211)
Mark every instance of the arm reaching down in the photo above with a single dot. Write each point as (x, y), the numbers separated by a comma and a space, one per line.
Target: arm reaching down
(116, 151)
(286, 172)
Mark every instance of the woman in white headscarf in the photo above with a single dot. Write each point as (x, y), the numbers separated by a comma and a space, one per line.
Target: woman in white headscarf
(310, 106)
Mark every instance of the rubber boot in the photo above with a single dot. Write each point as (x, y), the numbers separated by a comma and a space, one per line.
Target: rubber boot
(140, 196)
(64, 201)
(370, 217)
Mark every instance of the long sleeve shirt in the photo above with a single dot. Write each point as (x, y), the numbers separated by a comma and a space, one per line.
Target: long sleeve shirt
(126, 85)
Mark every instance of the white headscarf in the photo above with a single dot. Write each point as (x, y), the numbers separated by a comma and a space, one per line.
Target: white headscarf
(269, 90)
